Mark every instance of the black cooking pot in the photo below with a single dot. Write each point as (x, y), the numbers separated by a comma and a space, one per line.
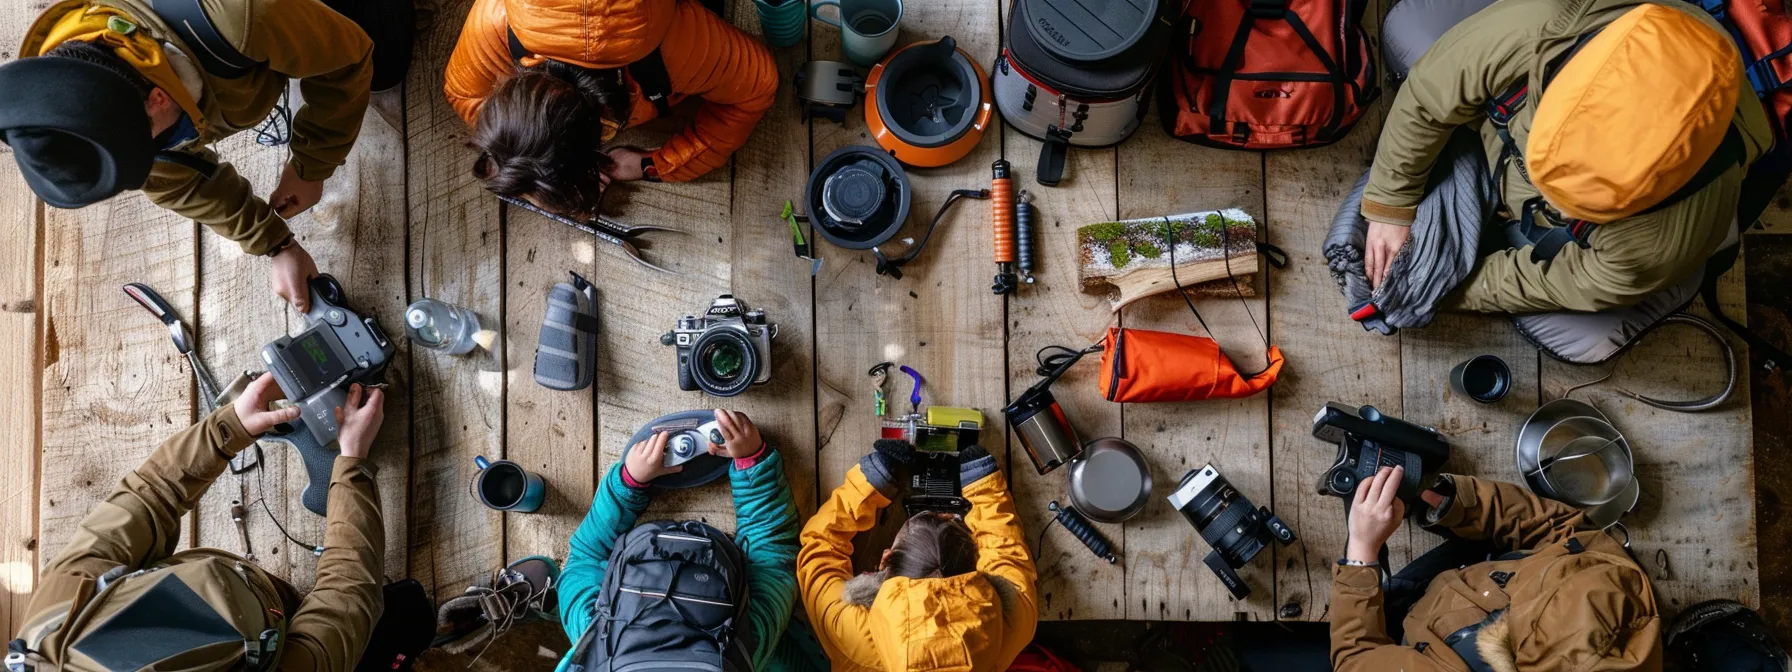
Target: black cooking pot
(858, 197)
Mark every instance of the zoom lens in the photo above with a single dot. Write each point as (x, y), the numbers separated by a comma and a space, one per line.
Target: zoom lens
(725, 362)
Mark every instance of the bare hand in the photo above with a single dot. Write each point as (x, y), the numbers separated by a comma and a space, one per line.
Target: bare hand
(627, 166)
(252, 406)
(360, 421)
(740, 436)
(1383, 242)
(293, 270)
(1375, 513)
(647, 460)
(294, 194)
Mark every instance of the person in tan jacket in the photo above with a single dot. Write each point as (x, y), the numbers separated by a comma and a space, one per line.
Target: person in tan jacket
(1519, 584)
(1632, 134)
(108, 96)
(139, 526)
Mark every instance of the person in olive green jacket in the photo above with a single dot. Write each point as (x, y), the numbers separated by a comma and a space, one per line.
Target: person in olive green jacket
(139, 525)
(1590, 147)
(107, 97)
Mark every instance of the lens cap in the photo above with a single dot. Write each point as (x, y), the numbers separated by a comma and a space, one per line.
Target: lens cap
(854, 195)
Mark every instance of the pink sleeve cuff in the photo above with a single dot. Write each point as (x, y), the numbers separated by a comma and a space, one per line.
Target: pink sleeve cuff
(744, 463)
(630, 481)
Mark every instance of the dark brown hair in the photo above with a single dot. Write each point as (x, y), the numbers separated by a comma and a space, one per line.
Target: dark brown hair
(540, 135)
(103, 57)
(932, 545)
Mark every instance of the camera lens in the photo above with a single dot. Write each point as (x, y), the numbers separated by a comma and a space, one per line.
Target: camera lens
(724, 362)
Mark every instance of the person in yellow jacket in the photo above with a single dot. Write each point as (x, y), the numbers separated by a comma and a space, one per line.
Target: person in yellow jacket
(949, 594)
(112, 95)
(1632, 135)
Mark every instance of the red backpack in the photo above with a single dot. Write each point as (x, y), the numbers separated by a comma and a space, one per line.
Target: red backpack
(1763, 33)
(1267, 74)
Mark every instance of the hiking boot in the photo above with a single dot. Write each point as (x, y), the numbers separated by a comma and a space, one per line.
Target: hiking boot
(523, 591)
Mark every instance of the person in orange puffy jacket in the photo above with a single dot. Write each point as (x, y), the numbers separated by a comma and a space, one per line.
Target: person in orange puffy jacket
(540, 121)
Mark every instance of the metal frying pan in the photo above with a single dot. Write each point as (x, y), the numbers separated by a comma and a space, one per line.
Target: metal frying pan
(1111, 481)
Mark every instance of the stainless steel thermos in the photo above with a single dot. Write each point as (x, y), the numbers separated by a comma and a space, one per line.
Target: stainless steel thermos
(1048, 437)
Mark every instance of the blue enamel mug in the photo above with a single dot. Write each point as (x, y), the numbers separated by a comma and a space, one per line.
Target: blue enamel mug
(506, 486)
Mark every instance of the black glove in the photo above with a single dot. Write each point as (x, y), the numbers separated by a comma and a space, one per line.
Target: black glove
(881, 464)
(973, 464)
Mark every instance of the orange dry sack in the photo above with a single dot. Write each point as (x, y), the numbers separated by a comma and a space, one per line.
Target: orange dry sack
(1139, 366)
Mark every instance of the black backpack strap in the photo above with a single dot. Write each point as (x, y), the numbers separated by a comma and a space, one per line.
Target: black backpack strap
(189, 22)
(649, 72)
(656, 85)
(1052, 155)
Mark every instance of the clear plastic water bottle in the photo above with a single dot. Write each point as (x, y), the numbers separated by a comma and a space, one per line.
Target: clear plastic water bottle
(443, 326)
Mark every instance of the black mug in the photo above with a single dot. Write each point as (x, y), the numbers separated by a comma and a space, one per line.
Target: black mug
(1485, 378)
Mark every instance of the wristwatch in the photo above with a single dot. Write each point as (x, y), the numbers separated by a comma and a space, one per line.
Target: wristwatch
(281, 246)
(648, 171)
(1347, 562)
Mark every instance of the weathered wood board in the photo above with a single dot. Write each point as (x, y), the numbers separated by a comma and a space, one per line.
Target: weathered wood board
(456, 254)
(19, 310)
(1165, 578)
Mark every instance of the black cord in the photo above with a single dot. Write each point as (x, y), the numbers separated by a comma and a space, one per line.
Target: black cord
(1060, 359)
(276, 130)
(1170, 236)
(261, 488)
(893, 267)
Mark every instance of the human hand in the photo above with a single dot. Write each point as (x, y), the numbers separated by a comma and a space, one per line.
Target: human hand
(293, 270)
(1383, 242)
(294, 194)
(740, 436)
(647, 460)
(1375, 512)
(360, 421)
(626, 165)
(252, 406)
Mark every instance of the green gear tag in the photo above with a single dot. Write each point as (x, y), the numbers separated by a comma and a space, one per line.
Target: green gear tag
(120, 25)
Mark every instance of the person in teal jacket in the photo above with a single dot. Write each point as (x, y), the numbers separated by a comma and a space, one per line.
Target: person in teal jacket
(766, 531)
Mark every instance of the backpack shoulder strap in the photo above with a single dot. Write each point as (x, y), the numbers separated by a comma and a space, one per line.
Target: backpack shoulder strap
(188, 20)
(649, 72)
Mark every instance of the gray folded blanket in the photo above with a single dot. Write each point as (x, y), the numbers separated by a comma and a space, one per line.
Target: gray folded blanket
(1441, 250)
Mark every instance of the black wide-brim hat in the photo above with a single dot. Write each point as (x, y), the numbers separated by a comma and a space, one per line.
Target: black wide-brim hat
(78, 130)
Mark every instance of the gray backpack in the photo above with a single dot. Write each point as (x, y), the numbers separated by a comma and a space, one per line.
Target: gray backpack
(673, 598)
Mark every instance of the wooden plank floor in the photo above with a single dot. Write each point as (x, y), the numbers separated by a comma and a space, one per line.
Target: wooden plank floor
(93, 384)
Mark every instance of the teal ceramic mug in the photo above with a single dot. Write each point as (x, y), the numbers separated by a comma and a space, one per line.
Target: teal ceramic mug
(867, 27)
(781, 21)
(506, 486)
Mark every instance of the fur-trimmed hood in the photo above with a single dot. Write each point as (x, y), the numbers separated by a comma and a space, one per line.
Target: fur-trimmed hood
(954, 623)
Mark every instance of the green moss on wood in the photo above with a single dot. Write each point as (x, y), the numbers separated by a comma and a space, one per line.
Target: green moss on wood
(1104, 232)
(1119, 254)
(1148, 250)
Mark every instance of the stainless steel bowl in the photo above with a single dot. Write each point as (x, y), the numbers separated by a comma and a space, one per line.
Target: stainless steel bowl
(1570, 452)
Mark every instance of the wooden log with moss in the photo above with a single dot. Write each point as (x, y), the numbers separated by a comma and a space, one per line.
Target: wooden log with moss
(1215, 253)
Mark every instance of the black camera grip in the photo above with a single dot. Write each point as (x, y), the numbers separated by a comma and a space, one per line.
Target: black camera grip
(320, 463)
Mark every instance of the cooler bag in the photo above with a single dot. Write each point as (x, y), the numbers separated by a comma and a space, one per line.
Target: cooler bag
(1078, 72)
(1267, 74)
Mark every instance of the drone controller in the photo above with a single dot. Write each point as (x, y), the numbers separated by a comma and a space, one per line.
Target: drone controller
(686, 445)
(338, 347)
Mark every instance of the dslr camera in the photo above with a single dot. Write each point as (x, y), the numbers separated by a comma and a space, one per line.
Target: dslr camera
(937, 436)
(1367, 440)
(1227, 520)
(725, 350)
(338, 348)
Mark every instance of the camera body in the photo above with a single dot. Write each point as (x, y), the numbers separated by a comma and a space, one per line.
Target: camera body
(1367, 440)
(1227, 520)
(937, 436)
(725, 350)
(338, 347)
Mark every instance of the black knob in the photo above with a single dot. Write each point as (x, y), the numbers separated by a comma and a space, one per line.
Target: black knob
(668, 339)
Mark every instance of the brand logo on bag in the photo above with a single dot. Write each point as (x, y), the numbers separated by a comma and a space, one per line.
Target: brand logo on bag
(1273, 93)
(1052, 31)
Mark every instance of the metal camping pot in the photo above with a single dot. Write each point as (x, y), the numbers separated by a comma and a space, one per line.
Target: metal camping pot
(1111, 481)
(1044, 431)
(1570, 452)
